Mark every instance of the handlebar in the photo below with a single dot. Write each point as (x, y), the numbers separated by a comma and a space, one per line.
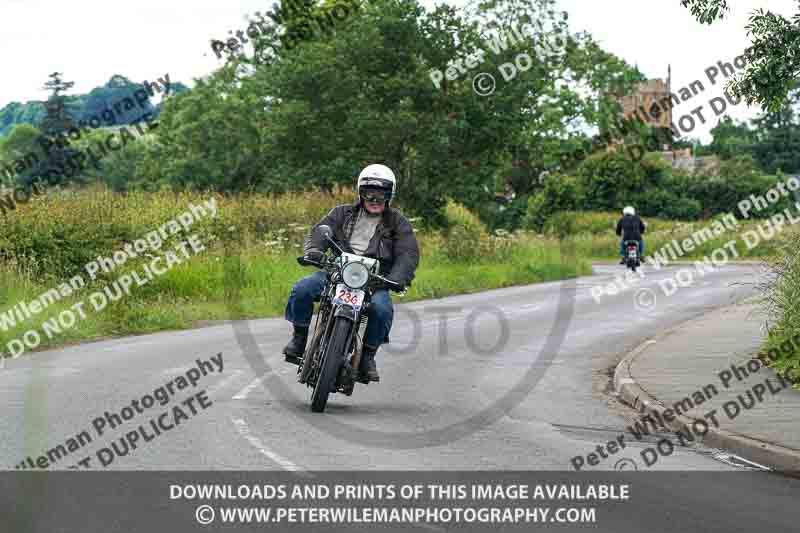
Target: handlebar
(392, 285)
(386, 281)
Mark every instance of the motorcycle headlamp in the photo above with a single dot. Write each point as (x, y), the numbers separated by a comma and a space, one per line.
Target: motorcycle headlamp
(355, 275)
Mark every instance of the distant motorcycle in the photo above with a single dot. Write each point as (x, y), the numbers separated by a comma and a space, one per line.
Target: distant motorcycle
(632, 259)
(330, 362)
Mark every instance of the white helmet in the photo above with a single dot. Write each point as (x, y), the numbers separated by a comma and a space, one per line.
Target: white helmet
(377, 177)
(629, 211)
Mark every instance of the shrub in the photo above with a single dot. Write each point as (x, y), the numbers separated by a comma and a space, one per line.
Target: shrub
(666, 204)
(607, 179)
(56, 235)
(783, 304)
(560, 193)
(576, 222)
(510, 216)
(463, 234)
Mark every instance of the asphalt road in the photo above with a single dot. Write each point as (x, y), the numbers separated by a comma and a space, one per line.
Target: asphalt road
(514, 379)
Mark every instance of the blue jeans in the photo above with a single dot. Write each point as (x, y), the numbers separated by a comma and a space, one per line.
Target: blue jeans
(622, 247)
(300, 308)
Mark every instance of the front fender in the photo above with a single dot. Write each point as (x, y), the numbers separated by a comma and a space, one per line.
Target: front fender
(345, 311)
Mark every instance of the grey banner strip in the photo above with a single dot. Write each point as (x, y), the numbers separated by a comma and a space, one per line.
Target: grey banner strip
(178, 502)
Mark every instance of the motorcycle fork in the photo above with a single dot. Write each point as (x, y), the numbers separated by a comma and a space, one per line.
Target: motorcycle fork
(310, 368)
(358, 340)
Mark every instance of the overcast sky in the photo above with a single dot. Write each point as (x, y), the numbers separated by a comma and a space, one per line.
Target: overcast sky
(89, 40)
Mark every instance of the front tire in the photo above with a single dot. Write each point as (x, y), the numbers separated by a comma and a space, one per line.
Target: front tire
(331, 361)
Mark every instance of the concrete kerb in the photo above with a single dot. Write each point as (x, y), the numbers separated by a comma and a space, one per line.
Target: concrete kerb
(778, 458)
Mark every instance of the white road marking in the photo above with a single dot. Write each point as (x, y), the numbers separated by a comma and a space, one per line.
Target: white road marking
(176, 370)
(727, 458)
(244, 431)
(224, 382)
(242, 394)
(128, 345)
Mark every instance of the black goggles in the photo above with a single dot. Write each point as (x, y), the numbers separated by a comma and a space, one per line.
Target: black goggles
(374, 197)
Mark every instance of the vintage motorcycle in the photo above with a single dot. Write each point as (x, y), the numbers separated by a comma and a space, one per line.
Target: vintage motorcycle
(331, 360)
(632, 259)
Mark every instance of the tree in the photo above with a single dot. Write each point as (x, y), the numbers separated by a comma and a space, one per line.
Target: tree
(707, 11)
(731, 139)
(777, 145)
(214, 137)
(58, 165)
(57, 119)
(773, 57)
(314, 114)
(535, 116)
(610, 179)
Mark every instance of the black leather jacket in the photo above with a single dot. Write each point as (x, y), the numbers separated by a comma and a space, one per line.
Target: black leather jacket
(393, 244)
(630, 228)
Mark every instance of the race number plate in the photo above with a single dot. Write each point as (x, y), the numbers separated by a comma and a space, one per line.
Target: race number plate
(347, 296)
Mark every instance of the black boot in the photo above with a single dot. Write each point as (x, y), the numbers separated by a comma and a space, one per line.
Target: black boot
(297, 345)
(367, 369)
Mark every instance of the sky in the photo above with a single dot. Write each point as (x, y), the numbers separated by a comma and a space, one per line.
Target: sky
(89, 41)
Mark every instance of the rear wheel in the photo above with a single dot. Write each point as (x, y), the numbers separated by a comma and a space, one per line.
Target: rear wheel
(331, 361)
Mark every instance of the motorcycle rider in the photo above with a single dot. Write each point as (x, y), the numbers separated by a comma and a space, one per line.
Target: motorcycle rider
(370, 228)
(631, 228)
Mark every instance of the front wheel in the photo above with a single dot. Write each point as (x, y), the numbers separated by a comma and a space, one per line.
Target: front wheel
(331, 361)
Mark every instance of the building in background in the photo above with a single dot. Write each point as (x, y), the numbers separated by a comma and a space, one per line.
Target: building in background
(652, 103)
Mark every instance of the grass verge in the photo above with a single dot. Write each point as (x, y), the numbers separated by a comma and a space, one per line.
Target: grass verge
(463, 259)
